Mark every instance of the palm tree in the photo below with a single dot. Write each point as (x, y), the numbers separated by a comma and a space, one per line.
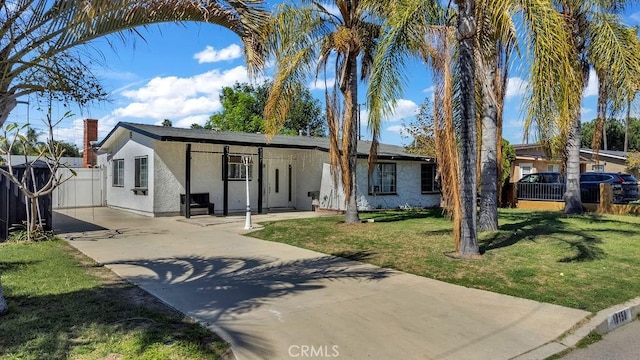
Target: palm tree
(466, 33)
(599, 39)
(496, 42)
(304, 39)
(547, 48)
(617, 86)
(37, 37)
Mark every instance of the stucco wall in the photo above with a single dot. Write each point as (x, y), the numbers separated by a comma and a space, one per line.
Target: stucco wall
(167, 178)
(408, 192)
(308, 172)
(206, 176)
(130, 145)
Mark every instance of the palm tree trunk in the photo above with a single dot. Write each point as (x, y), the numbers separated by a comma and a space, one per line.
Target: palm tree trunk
(626, 126)
(469, 143)
(488, 220)
(352, 216)
(572, 201)
(3, 303)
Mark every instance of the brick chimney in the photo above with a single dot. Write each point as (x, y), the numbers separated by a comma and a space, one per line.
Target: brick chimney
(90, 135)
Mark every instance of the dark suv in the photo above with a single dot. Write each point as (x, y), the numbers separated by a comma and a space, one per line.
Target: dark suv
(541, 186)
(550, 186)
(542, 177)
(624, 186)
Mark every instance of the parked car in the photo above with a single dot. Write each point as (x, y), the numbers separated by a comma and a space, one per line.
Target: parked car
(624, 186)
(543, 177)
(541, 186)
(551, 186)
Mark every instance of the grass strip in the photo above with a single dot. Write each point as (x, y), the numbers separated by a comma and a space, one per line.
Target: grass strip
(63, 305)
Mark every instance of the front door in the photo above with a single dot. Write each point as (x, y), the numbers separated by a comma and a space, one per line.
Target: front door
(280, 184)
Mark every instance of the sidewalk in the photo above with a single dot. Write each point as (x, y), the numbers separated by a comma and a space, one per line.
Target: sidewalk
(275, 301)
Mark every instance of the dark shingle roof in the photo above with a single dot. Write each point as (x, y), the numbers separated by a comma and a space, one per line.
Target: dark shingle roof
(167, 133)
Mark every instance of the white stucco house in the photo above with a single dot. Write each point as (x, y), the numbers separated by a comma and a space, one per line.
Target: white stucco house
(149, 167)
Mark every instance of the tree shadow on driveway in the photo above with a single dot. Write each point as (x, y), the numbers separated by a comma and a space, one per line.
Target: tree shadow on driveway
(218, 290)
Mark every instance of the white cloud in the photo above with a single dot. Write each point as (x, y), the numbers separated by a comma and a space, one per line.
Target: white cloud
(172, 97)
(396, 129)
(187, 121)
(72, 134)
(592, 86)
(635, 17)
(183, 100)
(430, 90)
(211, 55)
(319, 84)
(516, 86)
(404, 109)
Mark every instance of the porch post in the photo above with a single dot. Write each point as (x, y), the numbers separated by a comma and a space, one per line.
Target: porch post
(187, 183)
(260, 161)
(225, 180)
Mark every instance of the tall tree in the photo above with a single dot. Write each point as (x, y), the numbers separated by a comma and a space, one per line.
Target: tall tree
(421, 131)
(466, 32)
(546, 40)
(38, 39)
(616, 132)
(304, 39)
(600, 40)
(243, 110)
(616, 86)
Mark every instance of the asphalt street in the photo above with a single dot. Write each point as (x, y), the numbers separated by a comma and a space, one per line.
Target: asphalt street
(621, 344)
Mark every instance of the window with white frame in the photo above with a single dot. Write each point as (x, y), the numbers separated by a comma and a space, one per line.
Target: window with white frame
(525, 169)
(237, 170)
(428, 178)
(383, 179)
(553, 167)
(141, 172)
(597, 168)
(118, 172)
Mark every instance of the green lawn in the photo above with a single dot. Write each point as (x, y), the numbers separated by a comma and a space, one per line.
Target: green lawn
(587, 262)
(64, 306)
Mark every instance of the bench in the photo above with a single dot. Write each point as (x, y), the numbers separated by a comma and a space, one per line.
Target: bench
(197, 201)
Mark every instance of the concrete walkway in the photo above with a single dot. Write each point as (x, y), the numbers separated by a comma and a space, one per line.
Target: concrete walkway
(275, 301)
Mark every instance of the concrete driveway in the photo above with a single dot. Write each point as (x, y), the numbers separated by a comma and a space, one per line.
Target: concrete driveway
(275, 301)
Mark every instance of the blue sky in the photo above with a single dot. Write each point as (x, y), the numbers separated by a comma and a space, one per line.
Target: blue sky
(178, 71)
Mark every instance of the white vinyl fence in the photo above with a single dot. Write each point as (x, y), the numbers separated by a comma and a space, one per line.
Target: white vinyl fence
(84, 190)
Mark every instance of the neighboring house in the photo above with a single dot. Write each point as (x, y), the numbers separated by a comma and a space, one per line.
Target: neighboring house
(148, 169)
(608, 160)
(531, 158)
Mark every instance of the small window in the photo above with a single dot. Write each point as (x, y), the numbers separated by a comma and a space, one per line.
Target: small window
(553, 168)
(525, 169)
(428, 178)
(118, 172)
(597, 168)
(237, 170)
(141, 172)
(383, 179)
(277, 180)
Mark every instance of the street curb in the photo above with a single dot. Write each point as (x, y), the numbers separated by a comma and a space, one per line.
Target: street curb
(597, 323)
